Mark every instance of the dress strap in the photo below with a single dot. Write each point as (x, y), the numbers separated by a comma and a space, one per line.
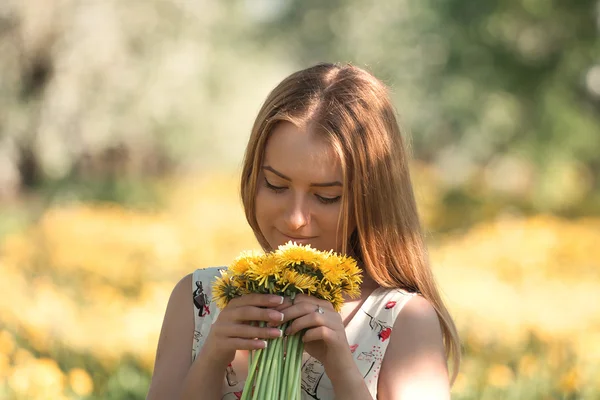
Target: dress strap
(205, 310)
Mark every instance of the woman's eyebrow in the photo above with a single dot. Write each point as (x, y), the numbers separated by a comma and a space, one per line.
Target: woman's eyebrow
(282, 176)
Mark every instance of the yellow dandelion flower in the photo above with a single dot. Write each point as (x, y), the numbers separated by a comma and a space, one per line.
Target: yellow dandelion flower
(296, 282)
(333, 274)
(337, 299)
(245, 261)
(265, 272)
(292, 268)
(291, 254)
(350, 267)
(324, 292)
(351, 288)
(337, 305)
(224, 289)
(351, 283)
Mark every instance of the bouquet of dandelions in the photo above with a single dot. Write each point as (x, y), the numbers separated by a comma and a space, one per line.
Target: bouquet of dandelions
(274, 372)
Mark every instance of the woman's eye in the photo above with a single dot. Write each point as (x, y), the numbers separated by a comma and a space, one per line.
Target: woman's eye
(276, 189)
(328, 200)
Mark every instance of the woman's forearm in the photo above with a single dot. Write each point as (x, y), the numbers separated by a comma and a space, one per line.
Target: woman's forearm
(204, 380)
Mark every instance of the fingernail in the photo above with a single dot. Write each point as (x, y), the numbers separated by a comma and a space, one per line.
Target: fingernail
(276, 315)
(279, 333)
(276, 300)
(265, 342)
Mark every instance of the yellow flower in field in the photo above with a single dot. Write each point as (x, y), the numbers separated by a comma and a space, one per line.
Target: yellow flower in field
(557, 354)
(291, 254)
(570, 381)
(224, 289)
(7, 342)
(4, 366)
(22, 356)
(37, 377)
(500, 376)
(80, 381)
(528, 365)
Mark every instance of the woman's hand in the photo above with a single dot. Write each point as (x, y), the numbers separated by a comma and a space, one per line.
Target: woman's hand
(232, 330)
(325, 335)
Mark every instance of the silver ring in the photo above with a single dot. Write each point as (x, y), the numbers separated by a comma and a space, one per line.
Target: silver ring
(320, 310)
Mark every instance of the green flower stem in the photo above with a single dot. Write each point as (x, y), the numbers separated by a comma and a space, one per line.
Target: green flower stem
(251, 353)
(279, 365)
(285, 382)
(285, 363)
(295, 367)
(274, 370)
(271, 370)
(299, 366)
(247, 391)
(292, 365)
(265, 373)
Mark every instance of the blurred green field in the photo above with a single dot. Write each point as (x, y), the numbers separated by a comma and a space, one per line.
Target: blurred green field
(85, 287)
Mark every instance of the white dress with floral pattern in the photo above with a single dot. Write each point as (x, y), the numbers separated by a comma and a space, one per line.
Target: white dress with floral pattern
(368, 333)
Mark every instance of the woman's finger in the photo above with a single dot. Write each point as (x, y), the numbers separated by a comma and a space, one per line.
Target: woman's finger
(329, 319)
(319, 333)
(302, 298)
(303, 308)
(246, 331)
(257, 300)
(287, 302)
(251, 313)
(245, 344)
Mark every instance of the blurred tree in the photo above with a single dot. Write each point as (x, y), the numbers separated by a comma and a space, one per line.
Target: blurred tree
(500, 93)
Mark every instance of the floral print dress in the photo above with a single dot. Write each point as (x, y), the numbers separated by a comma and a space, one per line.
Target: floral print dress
(368, 333)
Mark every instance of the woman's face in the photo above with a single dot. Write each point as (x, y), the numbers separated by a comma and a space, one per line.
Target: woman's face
(299, 195)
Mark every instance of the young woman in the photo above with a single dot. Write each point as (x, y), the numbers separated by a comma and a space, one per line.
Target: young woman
(325, 165)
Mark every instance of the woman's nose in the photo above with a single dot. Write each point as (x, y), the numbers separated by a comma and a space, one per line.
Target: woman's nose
(297, 213)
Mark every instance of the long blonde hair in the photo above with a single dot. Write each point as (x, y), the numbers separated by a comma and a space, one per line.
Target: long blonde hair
(352, 110)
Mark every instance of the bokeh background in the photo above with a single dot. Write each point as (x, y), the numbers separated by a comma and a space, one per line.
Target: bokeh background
(122, 128)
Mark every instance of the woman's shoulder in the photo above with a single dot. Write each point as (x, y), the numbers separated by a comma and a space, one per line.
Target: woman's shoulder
(420, 312)
(402, 292)
(393, 297)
